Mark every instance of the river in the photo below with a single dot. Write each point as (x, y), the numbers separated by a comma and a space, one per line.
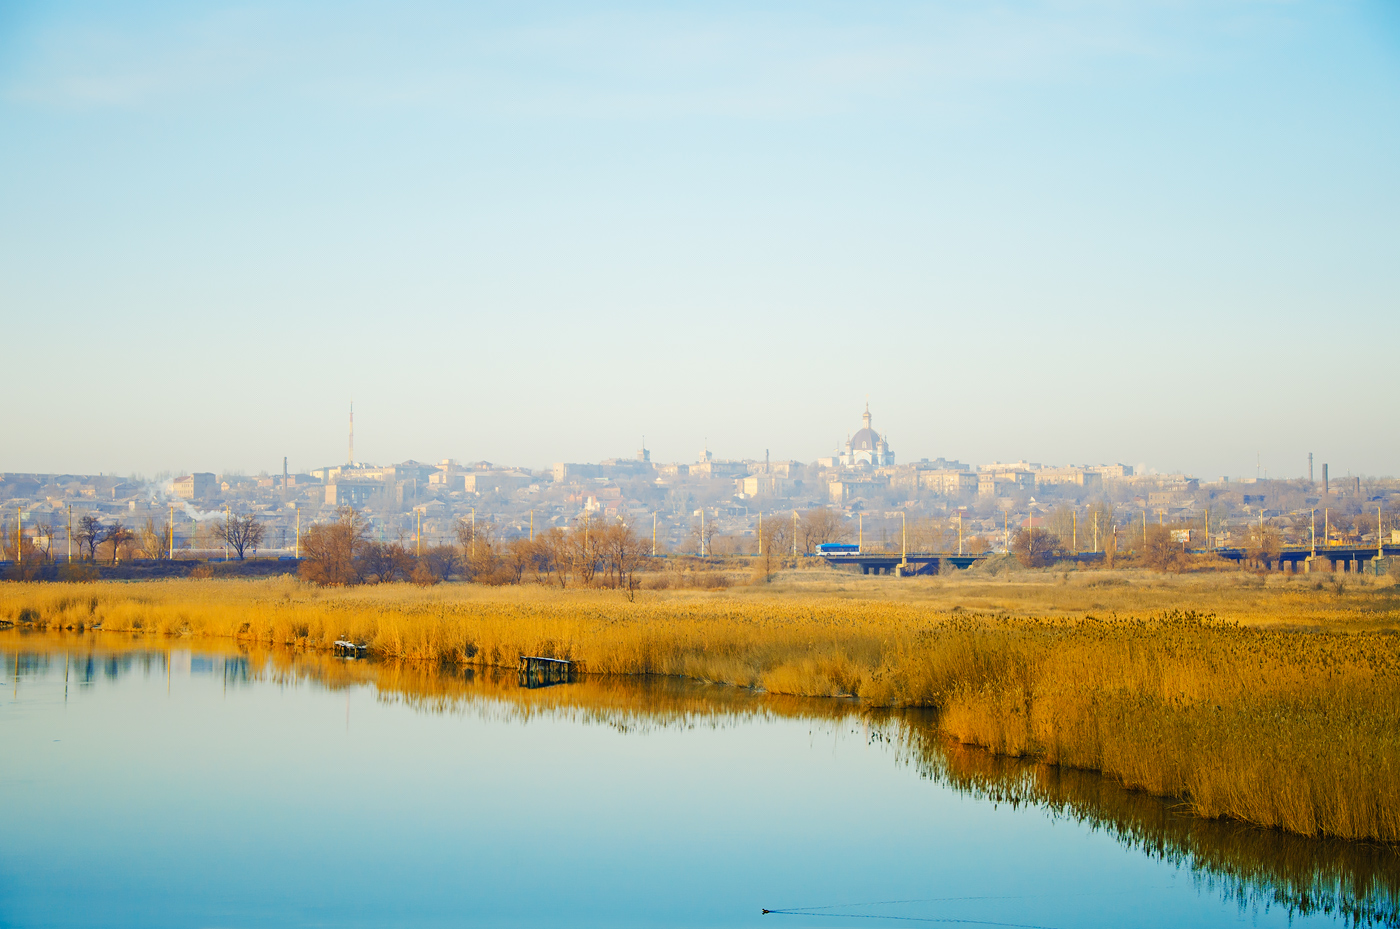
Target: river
(149, 783)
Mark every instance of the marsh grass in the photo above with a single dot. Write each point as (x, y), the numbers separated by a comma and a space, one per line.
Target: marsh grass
(1271, 701)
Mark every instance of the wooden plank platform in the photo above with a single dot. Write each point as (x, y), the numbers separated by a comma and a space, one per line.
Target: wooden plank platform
(536, 671)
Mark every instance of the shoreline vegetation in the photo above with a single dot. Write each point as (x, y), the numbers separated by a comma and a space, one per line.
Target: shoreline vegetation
(1271, 701)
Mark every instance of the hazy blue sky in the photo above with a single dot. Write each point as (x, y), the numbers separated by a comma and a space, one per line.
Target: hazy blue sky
(1152, 232)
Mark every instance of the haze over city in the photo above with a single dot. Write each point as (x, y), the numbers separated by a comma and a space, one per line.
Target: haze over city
(1154, 233)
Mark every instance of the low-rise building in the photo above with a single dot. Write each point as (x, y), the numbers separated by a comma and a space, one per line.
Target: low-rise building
(198, 486)
(1077, 477)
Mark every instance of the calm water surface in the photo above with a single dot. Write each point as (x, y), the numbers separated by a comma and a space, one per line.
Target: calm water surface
(146, 786)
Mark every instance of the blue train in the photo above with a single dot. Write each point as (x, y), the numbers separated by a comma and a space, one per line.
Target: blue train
(837, 548)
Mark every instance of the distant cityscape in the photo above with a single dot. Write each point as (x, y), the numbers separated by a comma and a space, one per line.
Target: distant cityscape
(710, 505)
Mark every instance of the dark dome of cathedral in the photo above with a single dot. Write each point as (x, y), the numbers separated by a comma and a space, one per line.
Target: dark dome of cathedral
(866, 438)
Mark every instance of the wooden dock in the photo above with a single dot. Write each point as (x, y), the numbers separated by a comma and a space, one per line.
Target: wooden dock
(542, 672)
(348, 649)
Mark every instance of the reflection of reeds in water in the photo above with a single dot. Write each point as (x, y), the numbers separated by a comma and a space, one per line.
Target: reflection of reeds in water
(1288, 729)
(1253, 866)
(628, 704)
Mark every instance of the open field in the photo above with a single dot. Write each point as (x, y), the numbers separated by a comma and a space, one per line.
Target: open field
(1274, 701)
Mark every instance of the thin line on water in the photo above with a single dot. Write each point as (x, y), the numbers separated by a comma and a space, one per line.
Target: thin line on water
(907, 919)
(836, 906)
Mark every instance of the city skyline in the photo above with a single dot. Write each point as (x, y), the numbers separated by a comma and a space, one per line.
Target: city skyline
(718, 450)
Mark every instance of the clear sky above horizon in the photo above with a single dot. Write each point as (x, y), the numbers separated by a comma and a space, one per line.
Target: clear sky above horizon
(1161, 233)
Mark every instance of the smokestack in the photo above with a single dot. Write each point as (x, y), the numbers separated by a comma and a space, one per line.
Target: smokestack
(1310, 471)
(284, 470)
(352, 433)
(1324, 478)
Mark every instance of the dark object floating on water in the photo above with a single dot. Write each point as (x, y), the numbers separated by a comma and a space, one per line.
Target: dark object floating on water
(543, 672)
(350, 649)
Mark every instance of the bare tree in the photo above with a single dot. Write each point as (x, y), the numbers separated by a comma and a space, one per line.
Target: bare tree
(622, 553)
(481, 553)
(386, 562)
(774, 542)
(116, 535)
(585, 555)
(819, 526)
(519, 554)
(1036, 548)
(89, 535)
(155, 540)
(703, 533)
(333, 551)
(554, 553)
(243, 532)
(443, 561)
(43, 544)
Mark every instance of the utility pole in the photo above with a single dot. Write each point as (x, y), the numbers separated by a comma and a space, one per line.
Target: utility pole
(1096, 531)
(794, 534)
(1006, 529)
(904, 539)
(1313, 532)
(418, 529)
(532, 525)
(70, 533)
(298, 538)
(172, 532)
(1073, 532)
(1144, 530)
(227, 526)
(1326, 524)
(472, 544)
(960, 532)
(19, 535)
(860, 536)
(760, 533)
(702, 526)
(653, 521)
(1380, 546)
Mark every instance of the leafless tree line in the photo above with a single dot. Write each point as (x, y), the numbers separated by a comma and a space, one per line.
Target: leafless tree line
(593, 553)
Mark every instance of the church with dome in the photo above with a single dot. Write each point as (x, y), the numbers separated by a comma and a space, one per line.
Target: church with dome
(867, 447)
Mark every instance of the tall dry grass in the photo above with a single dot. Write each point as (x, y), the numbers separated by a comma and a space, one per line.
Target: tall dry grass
(1267, 724)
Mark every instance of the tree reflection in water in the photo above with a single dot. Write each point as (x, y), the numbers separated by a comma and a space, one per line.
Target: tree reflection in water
(1251, 866)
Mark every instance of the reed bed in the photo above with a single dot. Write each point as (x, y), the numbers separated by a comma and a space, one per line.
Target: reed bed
(1286, 717)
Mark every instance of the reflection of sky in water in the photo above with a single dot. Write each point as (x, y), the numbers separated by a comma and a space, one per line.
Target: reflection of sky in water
(199, 797)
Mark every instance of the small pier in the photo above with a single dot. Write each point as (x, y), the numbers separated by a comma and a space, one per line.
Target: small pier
(543, 672)
(348, 649)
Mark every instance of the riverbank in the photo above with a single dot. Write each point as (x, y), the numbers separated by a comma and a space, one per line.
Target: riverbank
(1272, 701)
